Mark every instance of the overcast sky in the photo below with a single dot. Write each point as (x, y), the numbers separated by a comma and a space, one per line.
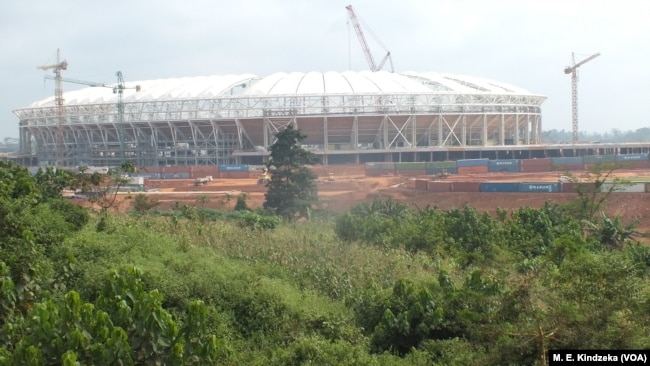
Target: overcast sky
(527, 43)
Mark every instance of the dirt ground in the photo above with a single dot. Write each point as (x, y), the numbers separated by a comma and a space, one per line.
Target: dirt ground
(350, 186)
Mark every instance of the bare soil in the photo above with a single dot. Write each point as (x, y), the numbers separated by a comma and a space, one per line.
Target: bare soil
(349, 186)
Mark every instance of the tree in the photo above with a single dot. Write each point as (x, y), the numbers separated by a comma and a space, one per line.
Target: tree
(600, 184)
(103, 188)
(143, 204)
(292, 188)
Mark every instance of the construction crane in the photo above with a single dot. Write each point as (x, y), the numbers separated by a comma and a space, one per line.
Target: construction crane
(58, 99)
(117, 89)
(573, 70)
(364, 45)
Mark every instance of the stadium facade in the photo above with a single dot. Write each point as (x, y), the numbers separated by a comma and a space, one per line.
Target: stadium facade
(349, 116)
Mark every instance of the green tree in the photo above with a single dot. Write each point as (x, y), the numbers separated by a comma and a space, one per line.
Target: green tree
(143, 204)
(292, 188)
(241, 205)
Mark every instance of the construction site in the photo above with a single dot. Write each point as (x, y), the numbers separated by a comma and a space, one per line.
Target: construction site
(211, 135)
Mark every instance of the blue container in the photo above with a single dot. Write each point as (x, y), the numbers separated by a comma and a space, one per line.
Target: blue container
(500, 187)
(632, 157)
(573, 160)
(233, 168)
(594, 159)
(538, 187)
(436, 171)
(472, 162)
(511, 166)
(182, 175)
(167, 175)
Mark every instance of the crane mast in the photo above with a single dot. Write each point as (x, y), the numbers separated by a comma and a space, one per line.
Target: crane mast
(573, 70)
(117, 89)
(364, 44)
(58, 99)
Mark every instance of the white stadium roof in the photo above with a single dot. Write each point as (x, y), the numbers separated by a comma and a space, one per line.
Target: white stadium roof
(284, 84)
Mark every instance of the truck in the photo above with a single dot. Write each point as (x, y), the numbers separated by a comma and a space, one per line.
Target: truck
(203, 180)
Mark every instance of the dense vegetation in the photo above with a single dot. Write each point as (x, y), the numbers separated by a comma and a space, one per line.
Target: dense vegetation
(384, 284)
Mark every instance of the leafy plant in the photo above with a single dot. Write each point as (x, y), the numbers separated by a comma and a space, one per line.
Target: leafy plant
(292, 188)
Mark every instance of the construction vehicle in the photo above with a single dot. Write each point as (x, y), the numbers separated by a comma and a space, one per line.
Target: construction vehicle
(354, 19)
(265, 177)
(203, 180)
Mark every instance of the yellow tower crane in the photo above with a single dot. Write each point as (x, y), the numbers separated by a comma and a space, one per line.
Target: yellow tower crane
(58, 99)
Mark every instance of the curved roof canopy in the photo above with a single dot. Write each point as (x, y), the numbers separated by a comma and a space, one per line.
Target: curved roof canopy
(290, 84)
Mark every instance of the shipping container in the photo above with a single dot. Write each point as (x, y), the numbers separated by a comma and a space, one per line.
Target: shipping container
(182, 176)
(569, 167)
(200, 171)
(631, 157)
(410, 166)
(421, 184)
(499, 187)
(534, 165)
(438, 186)
(175, 169)
(166, 175)
(647, 187)
(150, 169)
(438, 171)
(504, 162)
(538, 187)
(627, 188)
(593, 159)
(233, 168)
(568, 187)
(147, 175)
(441, 164)
(636, 165)
(508, 166)
(473, 169)
(472, 162)
(573, 160)
(465, 186)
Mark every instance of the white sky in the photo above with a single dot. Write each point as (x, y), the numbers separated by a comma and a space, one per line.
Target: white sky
(526, 43)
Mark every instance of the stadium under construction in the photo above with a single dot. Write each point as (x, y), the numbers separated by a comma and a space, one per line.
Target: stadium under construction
(348, 117)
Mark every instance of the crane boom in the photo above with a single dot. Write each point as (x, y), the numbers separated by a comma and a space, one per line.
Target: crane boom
(117, 89)
(75, 81)
(573, 70)
(362, 38)
(364, 44)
